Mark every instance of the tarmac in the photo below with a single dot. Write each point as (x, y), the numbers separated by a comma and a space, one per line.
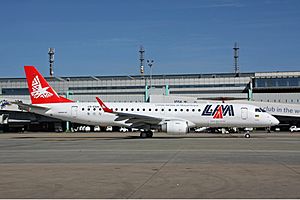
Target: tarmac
(122, 165)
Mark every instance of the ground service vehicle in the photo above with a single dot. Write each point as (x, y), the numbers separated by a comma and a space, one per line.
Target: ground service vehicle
(294, 128)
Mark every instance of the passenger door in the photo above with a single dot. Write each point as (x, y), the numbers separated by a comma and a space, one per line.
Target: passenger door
(74, 111)
(244, 113)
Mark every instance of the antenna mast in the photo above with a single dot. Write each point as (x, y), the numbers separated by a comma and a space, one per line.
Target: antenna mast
(142, 51)
(51, 60)
(236, 59)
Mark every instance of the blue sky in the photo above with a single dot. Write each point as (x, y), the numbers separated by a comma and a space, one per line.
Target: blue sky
(99, 37)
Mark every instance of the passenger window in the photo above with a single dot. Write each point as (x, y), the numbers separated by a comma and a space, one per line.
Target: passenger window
(169, 110)
(156, 109)
(175, 110)
(162, 109)
(116, 109)
(89, 109)
(144, 109)
(187, 110)
(257, 110)
(138, 109)
(149, 109)
(181, 110)
(132, 109)
(82, 109)
(199, 110)
(99, 109)
(193, 110)
(94, 109)
(126, 109)
(121, 109)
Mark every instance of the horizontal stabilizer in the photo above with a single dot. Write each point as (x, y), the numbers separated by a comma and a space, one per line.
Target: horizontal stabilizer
(28, 107)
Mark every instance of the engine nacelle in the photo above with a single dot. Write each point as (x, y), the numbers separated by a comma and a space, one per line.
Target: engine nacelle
(175, 127)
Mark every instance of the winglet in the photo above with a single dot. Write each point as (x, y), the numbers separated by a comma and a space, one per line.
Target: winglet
(103, 106)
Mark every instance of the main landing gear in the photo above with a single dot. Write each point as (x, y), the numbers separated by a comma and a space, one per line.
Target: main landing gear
(146, 134)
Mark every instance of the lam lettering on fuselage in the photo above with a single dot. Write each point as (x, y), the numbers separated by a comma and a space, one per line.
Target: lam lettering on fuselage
(219, 111)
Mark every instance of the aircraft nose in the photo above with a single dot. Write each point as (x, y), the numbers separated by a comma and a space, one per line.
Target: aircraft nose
(274, 121)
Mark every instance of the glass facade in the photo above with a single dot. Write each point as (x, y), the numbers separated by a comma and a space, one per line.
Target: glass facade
(156, 86)
(277, 82)
(107, 88)
(15, 91)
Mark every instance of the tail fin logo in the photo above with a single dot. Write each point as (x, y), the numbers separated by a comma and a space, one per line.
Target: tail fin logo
(38, 91)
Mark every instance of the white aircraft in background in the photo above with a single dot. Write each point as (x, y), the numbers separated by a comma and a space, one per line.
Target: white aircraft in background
(172, 118)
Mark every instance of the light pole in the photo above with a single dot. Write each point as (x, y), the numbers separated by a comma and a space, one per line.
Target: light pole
(150, 63)
(68, 93)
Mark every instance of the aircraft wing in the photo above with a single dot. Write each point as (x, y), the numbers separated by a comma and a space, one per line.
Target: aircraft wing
(28, 107)
(137, 121)
(133, 120)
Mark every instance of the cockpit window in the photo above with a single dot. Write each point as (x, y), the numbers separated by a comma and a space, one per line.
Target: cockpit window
(262, 110)
(257, 110)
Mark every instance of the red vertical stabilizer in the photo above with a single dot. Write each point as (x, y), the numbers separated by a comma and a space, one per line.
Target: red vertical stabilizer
(40, 90)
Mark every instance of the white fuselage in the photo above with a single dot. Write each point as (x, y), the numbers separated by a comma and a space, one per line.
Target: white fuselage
(195, 115)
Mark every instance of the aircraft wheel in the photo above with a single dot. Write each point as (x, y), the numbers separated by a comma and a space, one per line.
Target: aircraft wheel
(149, 134)
(143, 134)
(247, 135)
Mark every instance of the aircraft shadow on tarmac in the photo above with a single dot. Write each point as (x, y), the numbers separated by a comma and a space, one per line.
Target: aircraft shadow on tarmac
(77, 138)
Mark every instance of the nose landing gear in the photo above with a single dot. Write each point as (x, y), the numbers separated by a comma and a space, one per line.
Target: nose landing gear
(247, 134)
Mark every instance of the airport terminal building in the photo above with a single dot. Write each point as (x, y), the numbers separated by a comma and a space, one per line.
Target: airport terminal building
(270, 88)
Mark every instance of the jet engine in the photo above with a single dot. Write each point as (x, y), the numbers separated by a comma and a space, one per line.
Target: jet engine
(175, 127)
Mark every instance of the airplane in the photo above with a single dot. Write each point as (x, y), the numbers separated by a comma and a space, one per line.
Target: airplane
(172, 118)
